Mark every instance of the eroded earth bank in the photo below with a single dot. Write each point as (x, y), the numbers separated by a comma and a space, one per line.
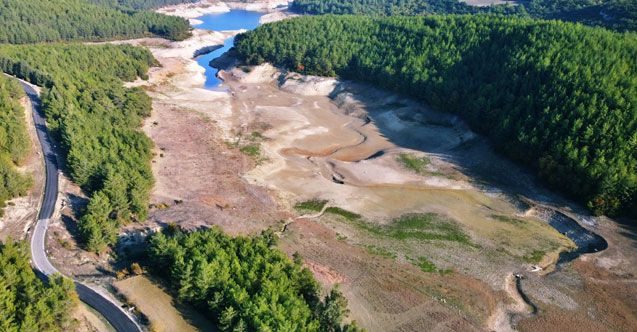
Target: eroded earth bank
(421, 224)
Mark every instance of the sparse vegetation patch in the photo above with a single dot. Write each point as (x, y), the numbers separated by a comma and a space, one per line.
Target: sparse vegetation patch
(534, 257)
(380, 251)
(428, 266)
(350, 216)
(414, 163)
(252, 150)
(416, 226)
(311, 205)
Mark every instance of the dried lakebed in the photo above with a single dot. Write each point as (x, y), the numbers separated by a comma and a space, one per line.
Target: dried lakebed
(269, 140)
(402, 127)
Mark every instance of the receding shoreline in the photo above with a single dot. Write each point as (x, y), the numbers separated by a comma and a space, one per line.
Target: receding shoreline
(296, 122)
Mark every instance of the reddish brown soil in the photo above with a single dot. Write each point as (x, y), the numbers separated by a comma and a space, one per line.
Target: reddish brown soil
(397, 295)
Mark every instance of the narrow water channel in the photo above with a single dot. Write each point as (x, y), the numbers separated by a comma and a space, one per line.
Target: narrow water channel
(232, 20)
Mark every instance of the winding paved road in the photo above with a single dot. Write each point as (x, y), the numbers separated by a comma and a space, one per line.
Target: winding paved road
(115, 315)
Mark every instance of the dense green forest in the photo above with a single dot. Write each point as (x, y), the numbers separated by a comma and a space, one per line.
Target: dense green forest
(26, 302)
(140, 4)
(618, 15)
(55, 20)
(244, 283)
(393, 7)
(96, 120)
(558, 97)
(146, 4)
(14, 141)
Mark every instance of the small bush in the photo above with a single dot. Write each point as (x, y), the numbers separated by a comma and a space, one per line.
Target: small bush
(121, 274)
(252, 150)
(136, 269)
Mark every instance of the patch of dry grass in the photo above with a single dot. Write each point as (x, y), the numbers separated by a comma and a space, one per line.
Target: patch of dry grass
(159, 307)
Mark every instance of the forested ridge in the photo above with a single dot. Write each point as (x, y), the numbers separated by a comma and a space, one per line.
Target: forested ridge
(558, 97)
(620, 15)
(244, 283)
(146, 4)
(14, 142)
(56, 20)
(140, 4)
(393, 7)
(27, 303)
(96, 120)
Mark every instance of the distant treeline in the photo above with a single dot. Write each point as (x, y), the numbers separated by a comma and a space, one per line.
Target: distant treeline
(47, 20)
(140, 4)
(620, 15)
(147, 4)
(97, 121)
(26, 302)
(245, 283)
(558, 97)
(14, 141)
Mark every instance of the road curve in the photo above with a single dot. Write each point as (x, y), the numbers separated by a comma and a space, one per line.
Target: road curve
(115, 315)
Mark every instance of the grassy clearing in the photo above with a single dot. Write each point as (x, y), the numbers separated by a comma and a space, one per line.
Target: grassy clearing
(411, 162)
(421, 226)
(428, 266)
(159, 307)
(315, 205)
(419, 165)
(417, 226)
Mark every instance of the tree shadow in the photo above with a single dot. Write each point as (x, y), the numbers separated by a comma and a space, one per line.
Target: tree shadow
(71, 226)
(628, 229)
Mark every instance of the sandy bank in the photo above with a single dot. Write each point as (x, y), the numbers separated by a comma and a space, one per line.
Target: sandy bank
(204, 7)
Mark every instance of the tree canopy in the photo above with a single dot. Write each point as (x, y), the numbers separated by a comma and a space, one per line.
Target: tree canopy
(558, 97)
(620, 15)
(26, 302)
(244, 283)
(96, 120)
(140, 4)
(14, 141)
(47, 20)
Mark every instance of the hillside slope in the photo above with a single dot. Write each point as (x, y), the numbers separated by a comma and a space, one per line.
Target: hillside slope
(558, 97)
(46, 20)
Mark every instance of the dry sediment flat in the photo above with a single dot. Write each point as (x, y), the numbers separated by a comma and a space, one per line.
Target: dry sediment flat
(311, 146)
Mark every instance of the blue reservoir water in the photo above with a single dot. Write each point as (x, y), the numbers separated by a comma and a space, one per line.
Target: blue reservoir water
(232, 20)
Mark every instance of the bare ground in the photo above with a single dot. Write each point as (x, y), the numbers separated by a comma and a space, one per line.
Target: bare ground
(385, 295)
(164, 315)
